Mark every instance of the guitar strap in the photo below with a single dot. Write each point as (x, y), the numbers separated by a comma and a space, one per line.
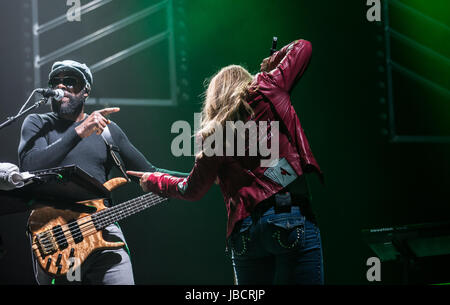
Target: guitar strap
(113, 149)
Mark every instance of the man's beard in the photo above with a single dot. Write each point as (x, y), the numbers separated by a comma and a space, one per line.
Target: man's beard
(70, 109)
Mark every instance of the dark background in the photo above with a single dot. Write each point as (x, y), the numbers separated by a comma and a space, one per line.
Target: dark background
(371, 181)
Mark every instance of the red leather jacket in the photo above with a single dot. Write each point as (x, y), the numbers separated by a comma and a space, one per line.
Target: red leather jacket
(243, 182)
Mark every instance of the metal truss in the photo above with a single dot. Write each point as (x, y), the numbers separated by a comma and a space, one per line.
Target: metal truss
(167, 35)
(393, 65)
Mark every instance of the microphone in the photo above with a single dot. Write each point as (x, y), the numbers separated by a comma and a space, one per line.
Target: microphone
(274, 45)
(56, 94)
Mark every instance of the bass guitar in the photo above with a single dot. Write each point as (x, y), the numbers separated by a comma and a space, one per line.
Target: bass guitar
(62, 239)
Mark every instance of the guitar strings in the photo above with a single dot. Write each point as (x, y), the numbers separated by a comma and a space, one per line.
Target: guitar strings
(103, 216)
(59, 237)
(89, 225)
(127, 205)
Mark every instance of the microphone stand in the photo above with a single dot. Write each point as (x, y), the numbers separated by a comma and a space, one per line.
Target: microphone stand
(39, 103)
(274, 45)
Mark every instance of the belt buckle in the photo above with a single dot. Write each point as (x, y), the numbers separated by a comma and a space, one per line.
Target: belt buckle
(283, 202)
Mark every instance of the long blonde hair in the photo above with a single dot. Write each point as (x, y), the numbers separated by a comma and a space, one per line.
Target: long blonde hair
(225, 99)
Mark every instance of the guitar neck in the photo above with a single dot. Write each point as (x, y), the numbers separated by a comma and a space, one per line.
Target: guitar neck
(108, 216)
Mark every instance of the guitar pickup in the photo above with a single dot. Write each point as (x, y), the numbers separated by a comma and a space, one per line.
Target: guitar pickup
(75, 231)
(60, 238)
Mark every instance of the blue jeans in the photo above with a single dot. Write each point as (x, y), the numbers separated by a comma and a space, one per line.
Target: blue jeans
(282, 248)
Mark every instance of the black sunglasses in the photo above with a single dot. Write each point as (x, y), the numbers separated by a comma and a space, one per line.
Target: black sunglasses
(68, 81)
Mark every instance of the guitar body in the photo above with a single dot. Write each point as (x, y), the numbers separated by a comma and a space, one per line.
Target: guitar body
(63, 239)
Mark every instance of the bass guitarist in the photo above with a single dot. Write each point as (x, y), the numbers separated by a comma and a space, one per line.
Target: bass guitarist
(69, 136)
